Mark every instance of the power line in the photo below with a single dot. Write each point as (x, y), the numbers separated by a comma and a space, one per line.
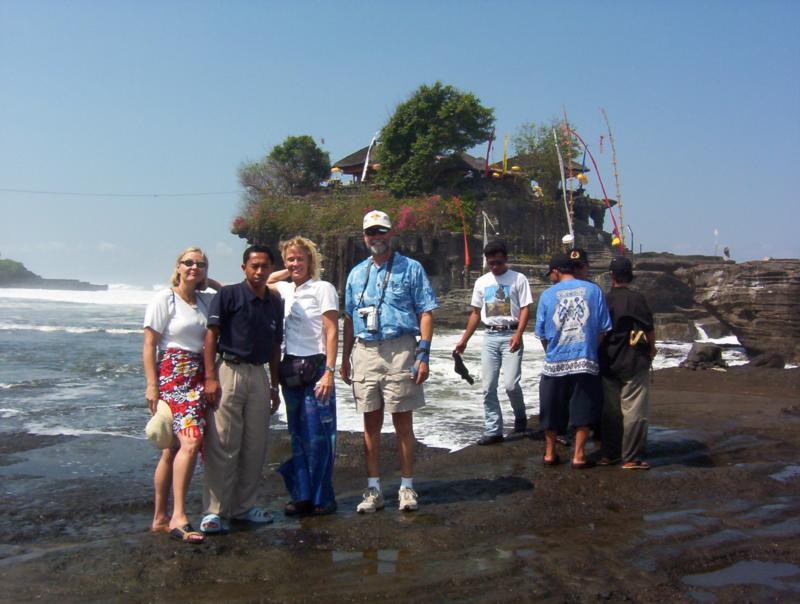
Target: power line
(70, 193)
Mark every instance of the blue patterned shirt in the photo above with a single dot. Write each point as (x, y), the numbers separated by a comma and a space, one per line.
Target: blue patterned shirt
(408, 294)
(571, 316)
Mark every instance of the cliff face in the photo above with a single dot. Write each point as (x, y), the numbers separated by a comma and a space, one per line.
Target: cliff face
(758, 300)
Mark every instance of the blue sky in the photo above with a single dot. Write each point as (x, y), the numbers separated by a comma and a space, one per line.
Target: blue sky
(170, 97)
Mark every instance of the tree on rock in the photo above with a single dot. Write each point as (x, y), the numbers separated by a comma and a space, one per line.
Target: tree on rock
(536, 154)
(295, 167)
(436, 121)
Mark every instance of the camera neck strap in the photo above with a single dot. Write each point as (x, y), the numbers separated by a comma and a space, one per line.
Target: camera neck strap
(385, 282)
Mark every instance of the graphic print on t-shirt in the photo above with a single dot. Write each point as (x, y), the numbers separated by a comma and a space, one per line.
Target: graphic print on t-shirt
(571, 315)
(498, 300)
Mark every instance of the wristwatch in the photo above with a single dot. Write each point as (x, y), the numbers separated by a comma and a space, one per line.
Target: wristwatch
(331, 369)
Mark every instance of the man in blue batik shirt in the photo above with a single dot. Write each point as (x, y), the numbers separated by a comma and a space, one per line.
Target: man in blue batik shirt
(388, 303)
(571, 320)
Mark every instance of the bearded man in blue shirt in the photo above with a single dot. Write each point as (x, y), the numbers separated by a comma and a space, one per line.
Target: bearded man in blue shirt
(388, 303)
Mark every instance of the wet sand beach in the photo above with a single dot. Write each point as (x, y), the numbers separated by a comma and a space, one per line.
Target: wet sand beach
(717, 519)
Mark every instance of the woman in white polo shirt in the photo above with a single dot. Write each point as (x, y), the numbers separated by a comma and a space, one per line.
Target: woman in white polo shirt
(310, 347)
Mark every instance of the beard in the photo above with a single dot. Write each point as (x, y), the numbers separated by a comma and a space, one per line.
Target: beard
(379, 248)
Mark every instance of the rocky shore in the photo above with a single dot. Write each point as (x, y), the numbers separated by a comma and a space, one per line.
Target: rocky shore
(716, 519)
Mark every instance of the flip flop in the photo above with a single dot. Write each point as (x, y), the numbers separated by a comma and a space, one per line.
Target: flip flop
(256, 515)
(211, 524)
(551, 462)
(607, 461)
(187, 534)
(636, 465)
(583, 465)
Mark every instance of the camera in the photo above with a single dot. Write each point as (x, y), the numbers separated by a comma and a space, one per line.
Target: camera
(370, 316)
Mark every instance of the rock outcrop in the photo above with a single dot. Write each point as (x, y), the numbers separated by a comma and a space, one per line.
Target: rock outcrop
(14, 275)
(758, 300)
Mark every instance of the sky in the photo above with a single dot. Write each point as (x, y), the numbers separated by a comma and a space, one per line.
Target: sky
(142, 112)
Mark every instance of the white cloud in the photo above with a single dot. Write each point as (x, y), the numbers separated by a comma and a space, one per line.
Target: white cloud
(51, 246)
(223, 249)
(105, 246)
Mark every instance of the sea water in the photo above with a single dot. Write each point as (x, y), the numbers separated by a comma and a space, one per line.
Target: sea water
(70, 363)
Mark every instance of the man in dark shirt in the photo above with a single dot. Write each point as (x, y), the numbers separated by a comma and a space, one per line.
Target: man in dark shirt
(625, 358)
(245, 326)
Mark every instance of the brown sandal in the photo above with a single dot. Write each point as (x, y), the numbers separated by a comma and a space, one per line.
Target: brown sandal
(187, 534)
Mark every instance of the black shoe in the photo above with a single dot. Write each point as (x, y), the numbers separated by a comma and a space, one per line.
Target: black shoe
(490, 439)
(520, 426)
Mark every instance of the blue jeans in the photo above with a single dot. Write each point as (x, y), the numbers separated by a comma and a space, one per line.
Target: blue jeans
(308, 473)
(495, 354)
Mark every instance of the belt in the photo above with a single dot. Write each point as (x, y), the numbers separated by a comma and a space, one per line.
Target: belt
(235, 360)
(500, 328)
(377, 342)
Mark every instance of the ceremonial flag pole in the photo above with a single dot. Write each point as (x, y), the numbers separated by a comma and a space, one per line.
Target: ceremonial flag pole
(563, 185)
(616, 180)
(366, 159)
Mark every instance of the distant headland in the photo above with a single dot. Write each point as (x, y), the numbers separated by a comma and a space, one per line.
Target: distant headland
(14, 274)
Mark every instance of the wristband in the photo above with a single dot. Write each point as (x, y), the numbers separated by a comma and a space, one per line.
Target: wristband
(423, 352)
(274, 389)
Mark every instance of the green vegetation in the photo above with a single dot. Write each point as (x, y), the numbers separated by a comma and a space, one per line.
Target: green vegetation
(295, 167)
(436, 121)
(11, 270)
(536, 154)
(416, 182)
(275, 216)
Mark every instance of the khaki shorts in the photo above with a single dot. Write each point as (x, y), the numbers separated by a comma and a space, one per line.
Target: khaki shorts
(382, 376)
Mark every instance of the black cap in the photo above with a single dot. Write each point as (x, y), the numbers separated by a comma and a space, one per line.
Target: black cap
(621, 265)
(558, 261)
(579, 256)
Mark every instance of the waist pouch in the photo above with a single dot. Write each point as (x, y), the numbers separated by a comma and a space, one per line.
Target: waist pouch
(295, 372)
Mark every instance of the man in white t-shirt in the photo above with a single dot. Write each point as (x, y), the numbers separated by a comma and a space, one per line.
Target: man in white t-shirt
(500, 299)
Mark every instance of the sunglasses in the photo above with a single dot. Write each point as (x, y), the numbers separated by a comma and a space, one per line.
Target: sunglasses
(372, 231)
(191, 263)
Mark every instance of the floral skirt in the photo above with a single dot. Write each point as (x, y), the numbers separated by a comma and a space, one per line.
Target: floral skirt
(181, 378)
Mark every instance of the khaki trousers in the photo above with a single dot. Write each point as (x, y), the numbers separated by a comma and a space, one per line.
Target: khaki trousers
(626, 408)
(236, 440)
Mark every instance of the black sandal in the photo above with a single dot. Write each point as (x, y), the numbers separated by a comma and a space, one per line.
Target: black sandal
(298, 508)
(551, 462)
(324, 510)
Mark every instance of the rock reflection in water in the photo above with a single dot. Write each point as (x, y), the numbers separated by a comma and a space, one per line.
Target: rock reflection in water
(376, 561)
(750, 572)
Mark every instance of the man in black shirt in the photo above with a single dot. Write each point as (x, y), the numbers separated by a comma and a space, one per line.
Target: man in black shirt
(245, 326)
(625, 357)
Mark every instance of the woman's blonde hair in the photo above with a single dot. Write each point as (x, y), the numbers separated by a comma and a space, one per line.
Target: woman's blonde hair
(176, 277)
(310, 248)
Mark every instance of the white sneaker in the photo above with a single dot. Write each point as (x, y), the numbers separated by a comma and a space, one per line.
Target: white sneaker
(408, 499)
(373, 501)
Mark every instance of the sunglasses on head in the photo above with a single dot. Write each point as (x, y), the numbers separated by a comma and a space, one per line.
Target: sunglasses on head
(372, 231)
(197, 263)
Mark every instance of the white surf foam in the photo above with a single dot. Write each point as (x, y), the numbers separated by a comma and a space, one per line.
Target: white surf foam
(43, 430)
(63, 328)
(116, 295)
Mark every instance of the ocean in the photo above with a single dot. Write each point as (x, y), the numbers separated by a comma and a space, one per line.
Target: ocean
(70, 364)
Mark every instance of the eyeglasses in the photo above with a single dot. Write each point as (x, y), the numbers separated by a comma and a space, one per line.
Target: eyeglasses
(191, 263)
(372, 231)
